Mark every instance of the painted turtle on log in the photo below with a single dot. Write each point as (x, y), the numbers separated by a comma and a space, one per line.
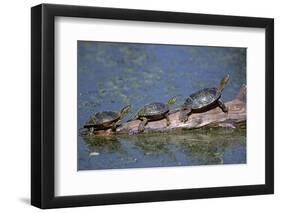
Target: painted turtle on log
(152, 112)
(204, 100)
(106, 120)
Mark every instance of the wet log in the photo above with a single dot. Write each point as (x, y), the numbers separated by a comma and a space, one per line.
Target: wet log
(236, 117)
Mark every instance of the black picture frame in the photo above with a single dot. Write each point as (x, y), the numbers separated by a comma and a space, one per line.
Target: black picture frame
(43, 102)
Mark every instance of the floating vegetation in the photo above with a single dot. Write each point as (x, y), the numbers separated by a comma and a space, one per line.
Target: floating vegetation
(94, 154)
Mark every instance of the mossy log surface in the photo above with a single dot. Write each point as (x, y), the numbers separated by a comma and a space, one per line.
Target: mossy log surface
(235, 118)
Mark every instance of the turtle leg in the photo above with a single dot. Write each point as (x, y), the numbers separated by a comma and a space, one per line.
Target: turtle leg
(168, 119)
(142, 124)
(114, 127)
(222, 106)
(184, 114)
(91, 130)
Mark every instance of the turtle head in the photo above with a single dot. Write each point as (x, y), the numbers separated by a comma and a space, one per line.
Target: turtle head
(223, 83)
(125, 111)
(172, 101)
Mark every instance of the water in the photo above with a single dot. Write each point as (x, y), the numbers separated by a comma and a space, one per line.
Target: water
(184, 148)
(112, 75)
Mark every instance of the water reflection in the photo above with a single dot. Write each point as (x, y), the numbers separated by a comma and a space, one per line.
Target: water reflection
(185, 148)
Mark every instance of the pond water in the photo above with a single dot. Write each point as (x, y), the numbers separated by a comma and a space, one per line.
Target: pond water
(184, 148)
(113, 75)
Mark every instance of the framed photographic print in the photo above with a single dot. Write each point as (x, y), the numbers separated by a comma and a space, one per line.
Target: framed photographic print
(140, 106)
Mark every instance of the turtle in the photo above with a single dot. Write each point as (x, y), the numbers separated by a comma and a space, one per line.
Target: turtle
(152, 112)
(106, 119)
(204, 100)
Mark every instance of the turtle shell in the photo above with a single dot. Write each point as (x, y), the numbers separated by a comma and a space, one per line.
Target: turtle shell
(103, 119)
(203, 98)
(154, 109)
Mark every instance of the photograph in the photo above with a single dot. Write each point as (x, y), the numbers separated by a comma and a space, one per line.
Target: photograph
(139, 105)
(144, 105)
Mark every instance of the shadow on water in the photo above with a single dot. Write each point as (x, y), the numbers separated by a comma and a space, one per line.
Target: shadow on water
(185, 148)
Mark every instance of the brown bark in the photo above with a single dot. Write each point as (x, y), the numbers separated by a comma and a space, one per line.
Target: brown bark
(236, 117)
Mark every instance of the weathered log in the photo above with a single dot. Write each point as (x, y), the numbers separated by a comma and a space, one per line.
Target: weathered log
(236, 117)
